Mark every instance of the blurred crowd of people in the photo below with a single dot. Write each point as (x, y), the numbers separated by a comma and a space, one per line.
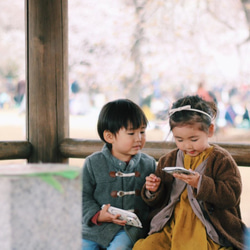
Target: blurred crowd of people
(233, 102)
(233, 105)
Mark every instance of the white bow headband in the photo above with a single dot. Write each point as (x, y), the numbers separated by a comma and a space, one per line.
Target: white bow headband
(187, 108)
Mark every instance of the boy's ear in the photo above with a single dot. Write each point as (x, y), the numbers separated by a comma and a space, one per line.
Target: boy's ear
(211, 130)
(108, 136)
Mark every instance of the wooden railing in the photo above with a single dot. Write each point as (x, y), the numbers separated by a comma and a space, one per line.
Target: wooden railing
(77, 148)
(74, 148)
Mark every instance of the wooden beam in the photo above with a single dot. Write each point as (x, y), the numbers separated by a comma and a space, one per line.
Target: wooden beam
(15, 150)
(47, 78)
(76, 148)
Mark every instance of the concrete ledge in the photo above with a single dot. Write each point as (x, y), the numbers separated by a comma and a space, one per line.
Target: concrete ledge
(35, 213)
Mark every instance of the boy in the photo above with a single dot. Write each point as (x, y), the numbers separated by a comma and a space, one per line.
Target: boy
(115, 176)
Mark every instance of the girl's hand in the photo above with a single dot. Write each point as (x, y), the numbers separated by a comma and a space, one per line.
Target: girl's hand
(152, 183)
(105, 216)
(191, 179)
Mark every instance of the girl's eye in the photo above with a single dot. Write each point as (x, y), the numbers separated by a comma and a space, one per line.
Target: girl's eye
(143, 132)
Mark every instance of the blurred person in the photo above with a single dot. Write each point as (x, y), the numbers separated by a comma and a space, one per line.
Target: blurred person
(230, 115)
(20, 92)
(246, 114)
(205, 94)
(245, 118)
(5, 100)
(75, 88)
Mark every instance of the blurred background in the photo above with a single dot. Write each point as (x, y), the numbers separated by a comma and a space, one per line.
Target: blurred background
(150, 51)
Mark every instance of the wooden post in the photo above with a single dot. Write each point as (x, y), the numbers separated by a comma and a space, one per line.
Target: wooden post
(47, 78)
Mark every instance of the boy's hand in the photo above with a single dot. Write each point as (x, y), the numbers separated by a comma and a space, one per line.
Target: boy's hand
(105, 216)
(152, 183)
(191, 179)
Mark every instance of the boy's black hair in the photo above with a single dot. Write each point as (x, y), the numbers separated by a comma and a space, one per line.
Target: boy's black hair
(118, 114)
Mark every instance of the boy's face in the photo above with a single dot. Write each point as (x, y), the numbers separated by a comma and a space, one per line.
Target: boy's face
(191, 140)
(128, 142)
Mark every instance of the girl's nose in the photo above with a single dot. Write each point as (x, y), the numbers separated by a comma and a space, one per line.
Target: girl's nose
(187, 145)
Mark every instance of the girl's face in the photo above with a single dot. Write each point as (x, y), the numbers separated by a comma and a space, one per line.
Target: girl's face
(128, 142)
(191, 140)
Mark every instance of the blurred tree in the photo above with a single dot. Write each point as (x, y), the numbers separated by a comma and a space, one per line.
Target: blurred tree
(132, 84)
(246, 7)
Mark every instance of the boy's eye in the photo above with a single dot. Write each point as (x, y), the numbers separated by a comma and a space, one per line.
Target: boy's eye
(130, 132)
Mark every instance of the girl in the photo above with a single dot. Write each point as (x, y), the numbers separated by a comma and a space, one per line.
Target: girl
(115, 176)
(200, 210)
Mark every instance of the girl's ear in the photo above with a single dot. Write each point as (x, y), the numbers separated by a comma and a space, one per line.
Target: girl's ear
(211, 130)
(108, 136)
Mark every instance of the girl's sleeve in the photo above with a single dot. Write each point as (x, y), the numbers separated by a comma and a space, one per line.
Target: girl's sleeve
(223, 186)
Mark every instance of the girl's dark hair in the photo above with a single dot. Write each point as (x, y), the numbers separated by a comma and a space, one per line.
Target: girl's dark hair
(118, 114)
(185, 117)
